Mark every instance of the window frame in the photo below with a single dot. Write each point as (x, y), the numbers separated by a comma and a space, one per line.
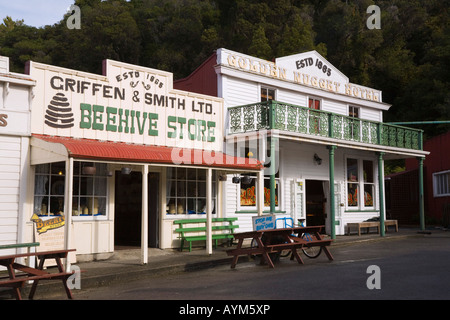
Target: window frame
(436, 184)
(361, 184)
(261, 88)
(355, 125)
(242, 207)
(178, 183)
(101, 173)
(52, 193)
(50, 185)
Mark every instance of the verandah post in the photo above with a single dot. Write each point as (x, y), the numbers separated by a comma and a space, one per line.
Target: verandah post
(332, 200)
(421, 199)
(144, 216)
(381, 191)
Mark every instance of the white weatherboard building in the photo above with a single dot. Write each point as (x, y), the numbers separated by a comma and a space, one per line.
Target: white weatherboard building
(328, 133)
(107, 160)
(16, 93)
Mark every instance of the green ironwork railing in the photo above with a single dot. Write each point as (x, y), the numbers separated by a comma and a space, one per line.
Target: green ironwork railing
(292, 118)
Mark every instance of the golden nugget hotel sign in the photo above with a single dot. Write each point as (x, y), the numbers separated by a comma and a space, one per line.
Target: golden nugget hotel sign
(309, 69)
(128, 104)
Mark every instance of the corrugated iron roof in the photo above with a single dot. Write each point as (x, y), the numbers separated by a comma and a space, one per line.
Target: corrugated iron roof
(120, 151)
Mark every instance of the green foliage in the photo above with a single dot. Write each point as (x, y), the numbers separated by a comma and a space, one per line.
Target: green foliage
(408, 58)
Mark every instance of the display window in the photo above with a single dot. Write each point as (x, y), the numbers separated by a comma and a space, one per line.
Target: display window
(186, 191)
(89, 198)
(360, 176)
(248, 191)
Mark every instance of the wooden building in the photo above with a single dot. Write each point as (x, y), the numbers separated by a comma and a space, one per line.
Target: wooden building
(328, 134)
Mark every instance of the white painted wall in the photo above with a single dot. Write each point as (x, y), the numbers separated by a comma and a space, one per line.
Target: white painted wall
(15, 91)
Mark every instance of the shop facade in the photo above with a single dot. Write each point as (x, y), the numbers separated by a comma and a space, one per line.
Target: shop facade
(328, 134)
(113, 159)
(16, 92)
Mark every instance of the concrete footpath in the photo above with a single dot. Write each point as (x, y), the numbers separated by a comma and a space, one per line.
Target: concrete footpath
(125, 265)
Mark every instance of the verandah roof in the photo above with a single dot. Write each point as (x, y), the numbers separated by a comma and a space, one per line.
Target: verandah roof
(137, 153)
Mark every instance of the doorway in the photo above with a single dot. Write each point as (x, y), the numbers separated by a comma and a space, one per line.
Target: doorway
(128, 209)
(315, 203)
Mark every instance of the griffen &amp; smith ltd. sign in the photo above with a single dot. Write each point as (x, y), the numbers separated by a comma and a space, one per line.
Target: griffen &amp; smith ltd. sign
(129, 104)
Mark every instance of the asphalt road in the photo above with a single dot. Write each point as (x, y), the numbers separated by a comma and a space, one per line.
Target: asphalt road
(403, 269)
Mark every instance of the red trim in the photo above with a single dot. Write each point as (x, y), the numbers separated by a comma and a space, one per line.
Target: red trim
(120, 151)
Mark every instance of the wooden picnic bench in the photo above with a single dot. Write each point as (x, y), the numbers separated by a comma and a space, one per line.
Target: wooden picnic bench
(276, 240)
(371, 224)
(198, 232)
(27, 273)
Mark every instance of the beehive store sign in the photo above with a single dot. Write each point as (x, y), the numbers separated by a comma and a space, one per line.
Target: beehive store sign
(129, 104)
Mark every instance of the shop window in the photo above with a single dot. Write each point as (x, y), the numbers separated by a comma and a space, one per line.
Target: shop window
(369, 185)
(186, 191)
(441, 184)
(352, 183)
(49, 189)
(267, 94)
(89, 190)
(89, 197)
(248, 191)
(360, 176)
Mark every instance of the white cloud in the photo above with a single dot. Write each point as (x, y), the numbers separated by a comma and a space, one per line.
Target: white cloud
(37, 13)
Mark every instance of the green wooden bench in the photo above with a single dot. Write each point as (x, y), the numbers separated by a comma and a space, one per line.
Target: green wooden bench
(220, 230)
(28, 245)
(20, 245)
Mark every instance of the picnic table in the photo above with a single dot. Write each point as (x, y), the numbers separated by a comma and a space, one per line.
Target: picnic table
(277, 240)
(26, 273)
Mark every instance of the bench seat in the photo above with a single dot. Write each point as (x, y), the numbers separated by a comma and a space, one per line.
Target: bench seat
(371, 224)
(220, 231)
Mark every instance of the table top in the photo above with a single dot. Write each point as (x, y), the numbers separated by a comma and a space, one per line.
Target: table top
(259, 233)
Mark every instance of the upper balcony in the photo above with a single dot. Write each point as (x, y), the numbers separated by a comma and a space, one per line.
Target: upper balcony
(321, 125)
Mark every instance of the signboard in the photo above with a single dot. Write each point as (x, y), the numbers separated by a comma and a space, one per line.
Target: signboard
(309, 69)
(127, 104)
(263, 222)
(49, 232)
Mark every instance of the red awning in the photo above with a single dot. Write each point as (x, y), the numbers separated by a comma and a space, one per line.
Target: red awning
(120, 151)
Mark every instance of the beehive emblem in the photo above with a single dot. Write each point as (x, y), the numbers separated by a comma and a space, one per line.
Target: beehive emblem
(59, 113)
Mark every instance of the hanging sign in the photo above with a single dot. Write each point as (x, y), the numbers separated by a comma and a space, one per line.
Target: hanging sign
(263, 222)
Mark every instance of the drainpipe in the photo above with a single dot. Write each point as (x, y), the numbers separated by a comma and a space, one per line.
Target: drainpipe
(332, 200)
(273, 171)
(381, 192)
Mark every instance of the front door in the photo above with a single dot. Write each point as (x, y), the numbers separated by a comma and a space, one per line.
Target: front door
(128, 209)
(315, 203)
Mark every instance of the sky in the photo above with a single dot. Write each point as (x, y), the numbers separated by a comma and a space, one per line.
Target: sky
(36, 13)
